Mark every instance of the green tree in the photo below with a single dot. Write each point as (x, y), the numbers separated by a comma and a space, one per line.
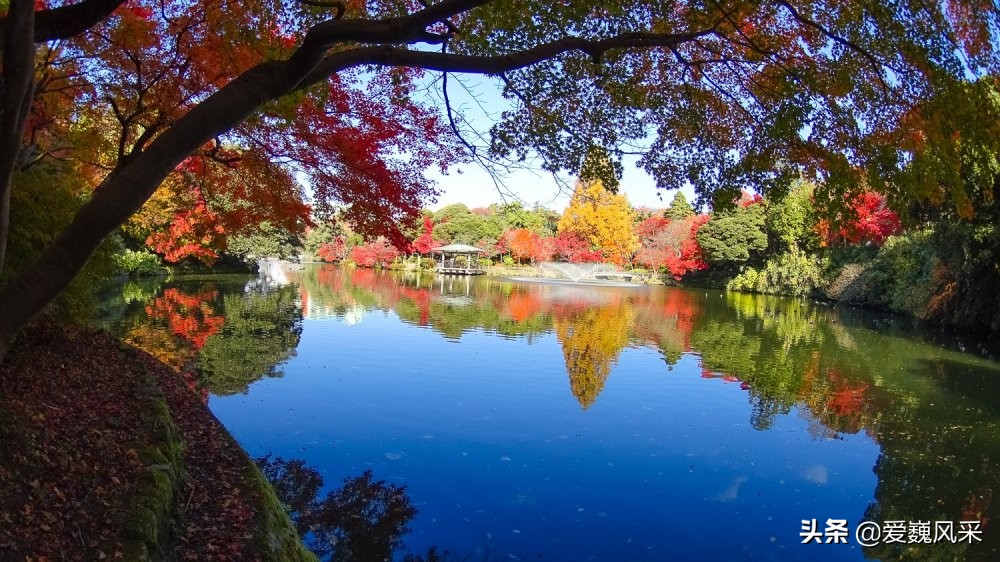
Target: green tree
(679, 208)
(791, 220)
(261, 330)
(266, 241)
(468, 229)
(322, 233)
(735, 236)
(45, 197)
(449, 212)
(513, 216)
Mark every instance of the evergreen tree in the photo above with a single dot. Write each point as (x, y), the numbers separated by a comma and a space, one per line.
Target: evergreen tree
(735, 236)
(679, 208)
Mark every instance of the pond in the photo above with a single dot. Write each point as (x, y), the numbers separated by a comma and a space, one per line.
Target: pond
(533, 421)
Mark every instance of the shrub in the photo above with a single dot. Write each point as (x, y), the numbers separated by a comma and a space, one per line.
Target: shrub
(789, 273)
(900, 276)
(966, 280)
(137, 263)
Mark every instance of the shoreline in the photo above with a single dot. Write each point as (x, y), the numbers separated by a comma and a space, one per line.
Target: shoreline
(105, 453)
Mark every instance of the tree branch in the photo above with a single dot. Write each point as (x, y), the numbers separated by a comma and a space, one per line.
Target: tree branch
(492, 65)
(68, 21)
(877, 64)
(335, 4)
(403, 29)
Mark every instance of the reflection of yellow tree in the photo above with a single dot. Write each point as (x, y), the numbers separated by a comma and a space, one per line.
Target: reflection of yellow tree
(591, 340)
(160, 343)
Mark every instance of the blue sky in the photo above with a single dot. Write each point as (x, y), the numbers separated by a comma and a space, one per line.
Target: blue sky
(480, 103)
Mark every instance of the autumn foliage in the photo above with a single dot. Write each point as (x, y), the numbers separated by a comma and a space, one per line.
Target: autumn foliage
(157, 60)
(424, 243)
(334, 251)
(603, 219)
(527, 245)
(191, 233)
(671, 244)
(570, 246)
(377, 253)
(868, 220)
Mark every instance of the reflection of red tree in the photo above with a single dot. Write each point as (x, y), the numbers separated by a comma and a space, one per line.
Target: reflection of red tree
(680, 306)
(188, 316)
(845, 400)
(330, 276)
(810, 374)
(422, 299)
(191, 319)
(975, 508)
(707, 374)
(364, 278)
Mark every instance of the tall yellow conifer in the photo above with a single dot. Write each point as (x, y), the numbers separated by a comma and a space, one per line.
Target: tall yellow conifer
(602, 218)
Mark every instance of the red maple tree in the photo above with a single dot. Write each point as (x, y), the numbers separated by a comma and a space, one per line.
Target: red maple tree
(376, 253)
(191, 234)
(334, 251)
(671, 244)
(527, 245)
(425, 242)
(868, 220)
(570, 246)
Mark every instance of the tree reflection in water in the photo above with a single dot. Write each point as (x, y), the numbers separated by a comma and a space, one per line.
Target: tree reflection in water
(933, 412)
(221, 338)
(592, 338)
(362, 521)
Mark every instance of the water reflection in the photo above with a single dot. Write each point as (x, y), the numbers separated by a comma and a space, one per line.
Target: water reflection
(362, 521)
(232, 332)
(934, 413)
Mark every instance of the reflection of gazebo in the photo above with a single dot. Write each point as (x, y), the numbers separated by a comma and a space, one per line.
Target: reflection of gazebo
(459, 259)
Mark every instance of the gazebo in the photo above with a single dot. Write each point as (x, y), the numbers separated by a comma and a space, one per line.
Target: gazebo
(458, 259)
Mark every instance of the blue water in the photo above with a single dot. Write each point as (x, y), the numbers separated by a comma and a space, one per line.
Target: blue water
(505, 458)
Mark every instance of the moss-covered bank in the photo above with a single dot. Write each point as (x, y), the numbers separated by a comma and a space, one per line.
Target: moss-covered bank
(105, 453)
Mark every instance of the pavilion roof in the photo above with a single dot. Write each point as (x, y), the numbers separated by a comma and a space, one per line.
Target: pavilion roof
(458, 249)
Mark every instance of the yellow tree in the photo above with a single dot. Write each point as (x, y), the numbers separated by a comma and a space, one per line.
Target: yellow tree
(602, 218)
(592, 338)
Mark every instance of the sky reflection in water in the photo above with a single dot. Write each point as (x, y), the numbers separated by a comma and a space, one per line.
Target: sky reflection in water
(533, 421)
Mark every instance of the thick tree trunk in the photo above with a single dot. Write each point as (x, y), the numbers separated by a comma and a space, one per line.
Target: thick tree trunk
(125, 190)
(18, 84)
